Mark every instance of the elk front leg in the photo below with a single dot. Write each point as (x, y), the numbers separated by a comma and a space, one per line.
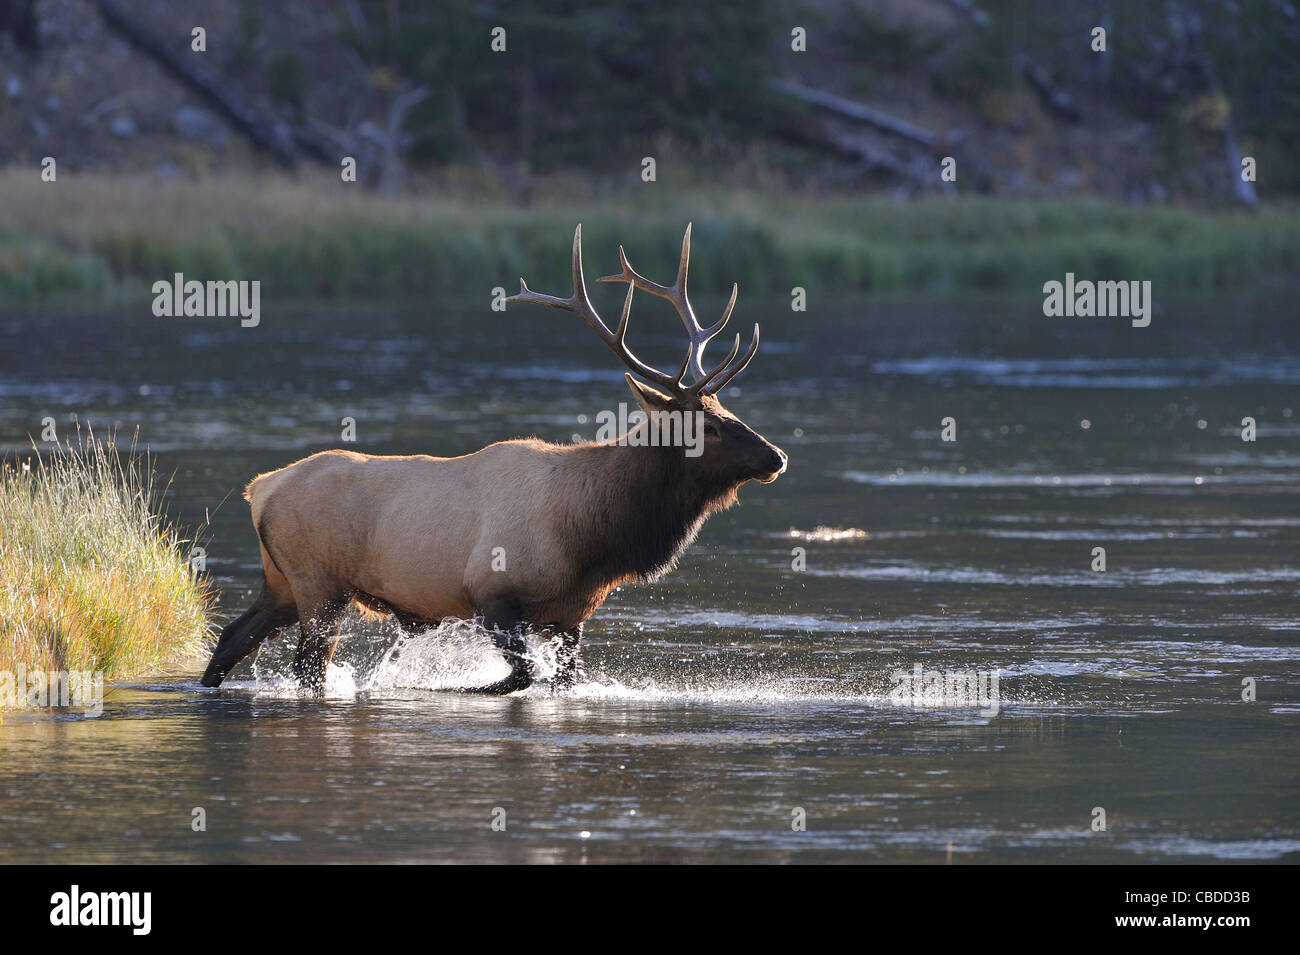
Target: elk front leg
(319, 637)
(569, 659)
(501, 616)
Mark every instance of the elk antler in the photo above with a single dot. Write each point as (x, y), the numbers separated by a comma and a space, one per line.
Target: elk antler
(578, 303)
(709, 383)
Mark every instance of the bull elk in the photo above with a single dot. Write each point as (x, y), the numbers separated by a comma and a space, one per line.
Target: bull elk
(415, 536)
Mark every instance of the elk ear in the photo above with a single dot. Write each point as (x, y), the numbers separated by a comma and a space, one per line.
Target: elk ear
(650, 399)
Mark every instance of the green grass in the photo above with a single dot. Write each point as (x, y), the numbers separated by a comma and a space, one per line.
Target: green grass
(93, 238)
(92, 578)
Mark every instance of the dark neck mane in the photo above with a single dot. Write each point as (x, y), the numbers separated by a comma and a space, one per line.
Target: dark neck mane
(633, 510)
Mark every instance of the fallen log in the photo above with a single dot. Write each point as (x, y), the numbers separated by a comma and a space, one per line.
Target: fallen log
(824, 137)
(261, 133)
(852, 110)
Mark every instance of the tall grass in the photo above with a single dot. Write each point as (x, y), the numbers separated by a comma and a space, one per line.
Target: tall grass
(92, 577)
(95, 236)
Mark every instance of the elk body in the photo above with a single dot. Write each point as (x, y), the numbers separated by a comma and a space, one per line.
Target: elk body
(526, 534)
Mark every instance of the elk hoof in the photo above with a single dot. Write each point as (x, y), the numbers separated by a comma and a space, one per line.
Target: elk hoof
(514, 649)
(514, 682)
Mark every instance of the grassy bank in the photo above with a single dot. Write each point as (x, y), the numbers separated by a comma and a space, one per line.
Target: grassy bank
(91, 578)
(91, 237)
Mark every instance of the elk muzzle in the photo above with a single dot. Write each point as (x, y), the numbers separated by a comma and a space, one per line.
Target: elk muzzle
(774, 466)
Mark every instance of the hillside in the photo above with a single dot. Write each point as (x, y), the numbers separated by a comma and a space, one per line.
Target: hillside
(582, 93)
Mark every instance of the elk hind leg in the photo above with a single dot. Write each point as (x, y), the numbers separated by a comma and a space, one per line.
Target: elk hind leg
(320, 628)
(268, 615)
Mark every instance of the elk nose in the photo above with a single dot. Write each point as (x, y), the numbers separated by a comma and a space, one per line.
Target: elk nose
(779, 460)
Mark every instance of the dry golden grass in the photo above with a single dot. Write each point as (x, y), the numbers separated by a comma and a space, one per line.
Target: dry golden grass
(91, 577)
(81, 207)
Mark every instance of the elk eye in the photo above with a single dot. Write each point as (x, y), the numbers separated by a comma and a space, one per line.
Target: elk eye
(710, 428)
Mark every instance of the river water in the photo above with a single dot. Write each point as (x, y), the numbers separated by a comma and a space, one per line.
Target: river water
(746, 708)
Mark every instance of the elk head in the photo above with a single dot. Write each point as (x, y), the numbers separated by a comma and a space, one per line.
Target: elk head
(732, 451)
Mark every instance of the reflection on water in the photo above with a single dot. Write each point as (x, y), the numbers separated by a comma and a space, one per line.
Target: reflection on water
(739, 688)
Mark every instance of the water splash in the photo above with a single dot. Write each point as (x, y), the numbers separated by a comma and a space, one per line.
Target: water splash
(454, 655)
